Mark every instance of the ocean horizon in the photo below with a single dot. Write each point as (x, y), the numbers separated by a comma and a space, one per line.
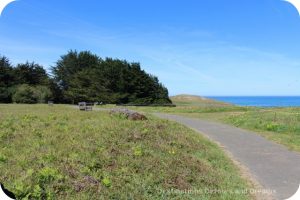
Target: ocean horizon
(260, 101)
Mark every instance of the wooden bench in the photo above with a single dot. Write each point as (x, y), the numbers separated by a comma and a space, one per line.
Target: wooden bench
(83, 106)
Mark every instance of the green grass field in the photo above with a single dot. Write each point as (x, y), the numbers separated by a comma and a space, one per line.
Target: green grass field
(281, 125)
(186, 104)
(61, 153)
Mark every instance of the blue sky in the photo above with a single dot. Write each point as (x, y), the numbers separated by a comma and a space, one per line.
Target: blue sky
(203, 47)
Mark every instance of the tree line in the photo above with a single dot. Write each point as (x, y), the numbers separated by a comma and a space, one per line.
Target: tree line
(80, 76)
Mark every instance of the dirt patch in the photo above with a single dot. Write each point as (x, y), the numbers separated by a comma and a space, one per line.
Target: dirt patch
(129, 114)
(84, 183)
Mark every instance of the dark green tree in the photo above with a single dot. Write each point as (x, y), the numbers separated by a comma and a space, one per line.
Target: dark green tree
(84, 76)
(74, 74)
(31, 74)
(80, 76)
(6, 80)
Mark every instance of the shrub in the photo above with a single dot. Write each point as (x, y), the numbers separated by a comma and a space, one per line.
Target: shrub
(43, 94)
(3, 159)
(106, 182)
(138, 151)
(47, 175)
(30, 95)
(25, 94)
(273, 127)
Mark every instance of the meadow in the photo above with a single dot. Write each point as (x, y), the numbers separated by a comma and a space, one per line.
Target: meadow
(281, 125)
(62, 153)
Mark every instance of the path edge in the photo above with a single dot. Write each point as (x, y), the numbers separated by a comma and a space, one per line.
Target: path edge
(244, 172)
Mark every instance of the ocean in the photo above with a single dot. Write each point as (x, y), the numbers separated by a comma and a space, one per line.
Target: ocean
(260, 101)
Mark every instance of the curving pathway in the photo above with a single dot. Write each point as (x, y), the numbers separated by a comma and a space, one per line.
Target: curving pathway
(272, 165)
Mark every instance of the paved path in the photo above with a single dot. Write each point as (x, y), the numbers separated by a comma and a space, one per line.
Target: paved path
(272, 165)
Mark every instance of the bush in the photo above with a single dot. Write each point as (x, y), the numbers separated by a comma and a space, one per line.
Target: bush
(43, 94)
(25, 94)
(30, 95)
(276, 127)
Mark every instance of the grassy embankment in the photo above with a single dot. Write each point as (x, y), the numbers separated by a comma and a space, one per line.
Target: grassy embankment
(61, 153)
(281, 125)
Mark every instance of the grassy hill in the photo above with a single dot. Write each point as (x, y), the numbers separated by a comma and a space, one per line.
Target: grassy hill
(193, 100)
(194, 104)
(61, 153)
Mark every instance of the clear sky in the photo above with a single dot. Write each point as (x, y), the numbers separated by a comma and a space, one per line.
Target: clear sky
(203, 47)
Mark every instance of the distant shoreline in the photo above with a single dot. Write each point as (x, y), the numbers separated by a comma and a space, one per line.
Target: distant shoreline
(260, 101)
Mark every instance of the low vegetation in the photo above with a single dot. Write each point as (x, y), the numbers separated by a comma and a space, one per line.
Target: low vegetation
(61, 153)
(188, 104)
(279, 124)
